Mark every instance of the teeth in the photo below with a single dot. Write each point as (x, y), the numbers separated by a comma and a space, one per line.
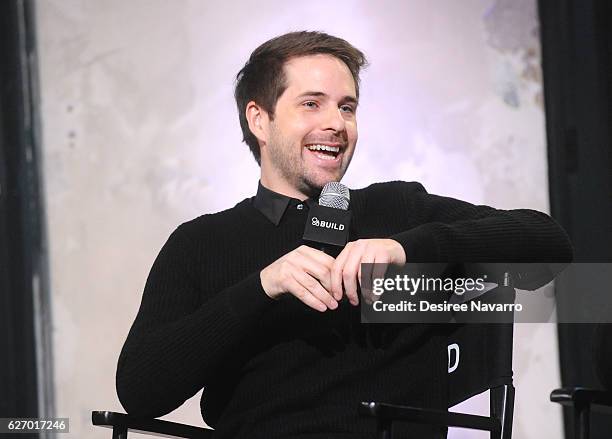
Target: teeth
(323, 148)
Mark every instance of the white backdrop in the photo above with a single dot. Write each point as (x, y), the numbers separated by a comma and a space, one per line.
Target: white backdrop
(140, 133)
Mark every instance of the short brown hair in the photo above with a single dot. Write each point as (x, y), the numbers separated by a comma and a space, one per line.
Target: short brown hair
(263, 80)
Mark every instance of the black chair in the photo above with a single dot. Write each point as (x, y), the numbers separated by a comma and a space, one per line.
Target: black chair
(582, 399)
(479, 359)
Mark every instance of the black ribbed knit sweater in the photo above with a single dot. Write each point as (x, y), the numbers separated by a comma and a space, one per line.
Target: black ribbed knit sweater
(278, 369)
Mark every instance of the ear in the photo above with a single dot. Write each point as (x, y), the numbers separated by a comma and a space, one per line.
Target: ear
(258, 121)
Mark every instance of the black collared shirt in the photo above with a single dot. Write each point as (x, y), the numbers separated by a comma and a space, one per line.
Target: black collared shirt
(274, 205)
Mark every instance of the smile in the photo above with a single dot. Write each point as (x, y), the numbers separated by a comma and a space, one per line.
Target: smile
(324, 152)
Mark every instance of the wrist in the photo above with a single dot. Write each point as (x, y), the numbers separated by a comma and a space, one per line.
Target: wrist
(266, 284)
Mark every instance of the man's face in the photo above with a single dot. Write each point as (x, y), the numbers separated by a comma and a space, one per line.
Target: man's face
(313, 135)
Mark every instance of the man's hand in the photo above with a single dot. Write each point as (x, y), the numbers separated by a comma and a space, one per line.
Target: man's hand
(346, 268)
(305, 273)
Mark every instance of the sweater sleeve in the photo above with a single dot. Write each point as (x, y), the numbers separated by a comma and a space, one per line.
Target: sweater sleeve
(177, 344)
(451, 230)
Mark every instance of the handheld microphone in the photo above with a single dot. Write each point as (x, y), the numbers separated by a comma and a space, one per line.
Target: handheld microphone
(328, 223)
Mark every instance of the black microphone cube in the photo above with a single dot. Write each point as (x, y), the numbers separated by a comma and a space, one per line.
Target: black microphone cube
(327, 225)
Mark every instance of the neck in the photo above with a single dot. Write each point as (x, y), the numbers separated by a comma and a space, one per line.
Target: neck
(281, 186)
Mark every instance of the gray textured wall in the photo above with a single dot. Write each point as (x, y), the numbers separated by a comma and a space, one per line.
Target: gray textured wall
(140, 134)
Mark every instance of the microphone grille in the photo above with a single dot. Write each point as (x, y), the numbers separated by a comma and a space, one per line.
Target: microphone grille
(335, 195)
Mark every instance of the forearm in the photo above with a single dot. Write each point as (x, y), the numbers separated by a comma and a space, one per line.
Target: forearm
(500, 236)
(451, 230)
(185, 329)
(162, 366)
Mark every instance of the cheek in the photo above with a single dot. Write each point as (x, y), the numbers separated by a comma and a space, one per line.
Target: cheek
(307, 131)
(351, 131)
(298, 127)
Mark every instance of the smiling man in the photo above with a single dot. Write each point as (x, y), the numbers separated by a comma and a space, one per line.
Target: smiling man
(310, 137)
(237, 304)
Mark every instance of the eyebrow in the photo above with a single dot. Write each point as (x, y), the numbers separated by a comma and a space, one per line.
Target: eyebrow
(345, 99)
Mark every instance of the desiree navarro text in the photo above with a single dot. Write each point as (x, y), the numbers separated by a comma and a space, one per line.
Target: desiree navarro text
(425, 306)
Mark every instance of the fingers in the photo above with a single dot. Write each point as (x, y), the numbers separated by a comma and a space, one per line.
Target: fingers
(317, 264)
(319, 280)
(346, 272)
(305, 295)
(349, 273)
(365, 277)
(310, 285)
(378, 270)
(317, 255)
(336, 272)
(304, 273)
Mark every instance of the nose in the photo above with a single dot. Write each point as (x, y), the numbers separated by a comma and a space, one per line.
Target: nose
(334, 120)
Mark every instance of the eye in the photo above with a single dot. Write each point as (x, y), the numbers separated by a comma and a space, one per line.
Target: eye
(347, 109)
(310, 104)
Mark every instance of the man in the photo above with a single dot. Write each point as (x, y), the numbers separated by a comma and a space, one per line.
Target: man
(236, 303)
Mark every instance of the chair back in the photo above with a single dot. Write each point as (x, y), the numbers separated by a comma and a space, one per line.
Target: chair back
(479, 358)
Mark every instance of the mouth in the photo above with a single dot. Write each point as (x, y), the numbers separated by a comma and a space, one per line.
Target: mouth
(330, 153)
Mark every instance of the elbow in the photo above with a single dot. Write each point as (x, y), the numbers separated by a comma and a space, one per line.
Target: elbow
(138, 397)
(555, 239)
(136, 405)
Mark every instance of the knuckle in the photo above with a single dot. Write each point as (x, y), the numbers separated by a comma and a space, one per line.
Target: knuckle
(346, 276)
(322, 295)
(311, 284)
(300, 293)
(323, 273)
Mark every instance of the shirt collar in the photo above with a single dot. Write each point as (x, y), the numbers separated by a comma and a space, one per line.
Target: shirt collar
(274, 205)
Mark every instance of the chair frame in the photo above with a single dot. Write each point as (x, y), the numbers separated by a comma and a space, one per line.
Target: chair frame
(499, 423)
(122, 424)
(582, 399)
